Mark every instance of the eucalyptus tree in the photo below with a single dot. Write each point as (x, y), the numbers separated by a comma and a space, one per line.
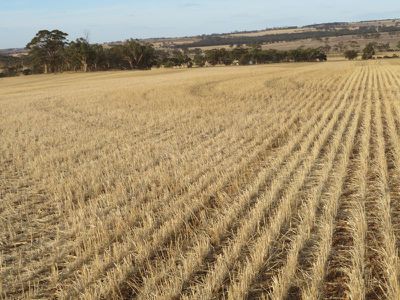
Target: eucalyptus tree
(82, 52)
(47, 49)
(138, 55)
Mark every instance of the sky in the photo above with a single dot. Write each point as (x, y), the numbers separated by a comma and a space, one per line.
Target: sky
(114, 20)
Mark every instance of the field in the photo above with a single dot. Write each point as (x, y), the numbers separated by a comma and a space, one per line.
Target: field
(347, 42)
(262, 182)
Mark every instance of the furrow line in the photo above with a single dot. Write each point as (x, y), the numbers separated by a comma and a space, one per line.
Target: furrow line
(382, 264)
(341, 141)
(220, 229)
(259, 252)
(214, 186)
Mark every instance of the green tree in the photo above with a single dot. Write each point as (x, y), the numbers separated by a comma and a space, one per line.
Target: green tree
(138, 55)
(199, 59)
(162, 57)
(351, 54)
(47, 49)
(81, 51)
(180, 58)
(369, 51)
(238, 52)
(212, 56)
(100, 56)
(245, 59)
(219, 56)
(115, 58)
(10, 66)
(308, 54)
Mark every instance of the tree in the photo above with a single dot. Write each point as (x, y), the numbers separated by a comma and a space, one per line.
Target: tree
(219, 56)
(351, 54)
(162, 58)
(199, 60)
(256, 53)
(82, 52)
(138, 55)
(173, 58)
(10, 66)
(212, 56)
(319, 55)
(100, 56)
(238, 52)
(47, 49)
(179, 58)
(369, 51)
(115, 58)
(245, 59)
(309, 54)
(398, 45)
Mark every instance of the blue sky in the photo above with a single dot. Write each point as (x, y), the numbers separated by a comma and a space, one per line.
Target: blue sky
(111, 20)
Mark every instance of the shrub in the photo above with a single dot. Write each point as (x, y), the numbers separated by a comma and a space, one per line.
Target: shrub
(351, 54)
(369, 51)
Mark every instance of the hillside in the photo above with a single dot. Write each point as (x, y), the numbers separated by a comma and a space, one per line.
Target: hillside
(335, 37)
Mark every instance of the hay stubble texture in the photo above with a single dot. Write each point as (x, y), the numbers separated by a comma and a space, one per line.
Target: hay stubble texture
(265, 182)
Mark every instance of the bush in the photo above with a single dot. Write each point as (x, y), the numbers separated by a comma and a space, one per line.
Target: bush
(369, 51)
(199, 60)
(351, 54)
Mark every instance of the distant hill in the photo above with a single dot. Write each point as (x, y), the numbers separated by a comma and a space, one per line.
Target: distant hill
(16, 52)
(334, 37)
(6, 60)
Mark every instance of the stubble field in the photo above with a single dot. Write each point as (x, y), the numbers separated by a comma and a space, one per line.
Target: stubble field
(268, 182)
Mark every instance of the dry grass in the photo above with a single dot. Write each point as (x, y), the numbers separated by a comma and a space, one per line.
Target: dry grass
(263, 182)
(346, 40)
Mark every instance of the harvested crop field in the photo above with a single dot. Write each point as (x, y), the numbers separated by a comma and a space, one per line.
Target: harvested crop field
(264, 182)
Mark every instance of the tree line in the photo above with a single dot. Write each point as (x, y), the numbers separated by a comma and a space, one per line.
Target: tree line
(255, 55)
(369, 52)
(52, 52)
